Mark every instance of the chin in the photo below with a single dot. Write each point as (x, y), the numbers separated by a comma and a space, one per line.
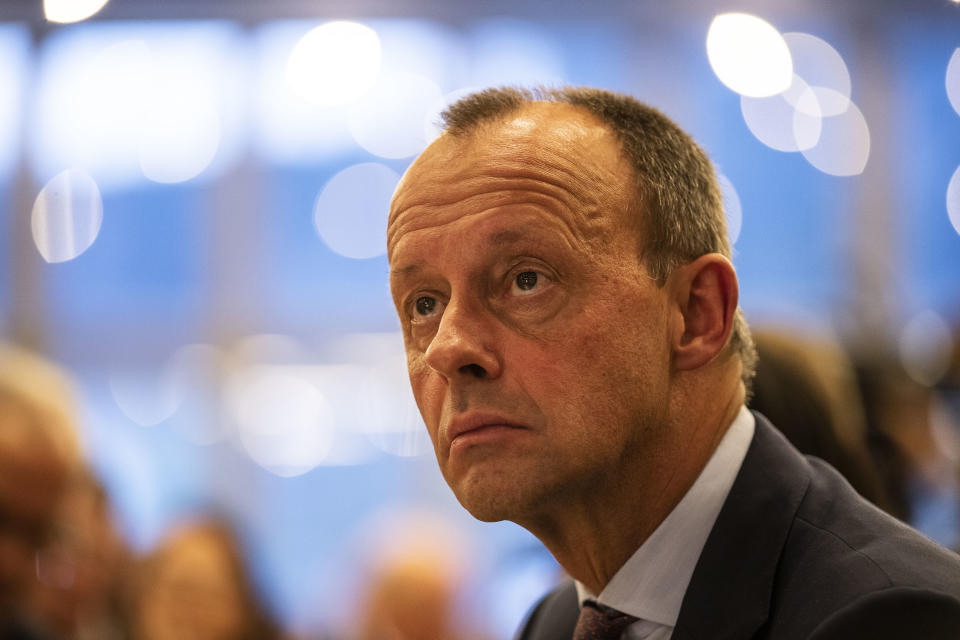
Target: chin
(485, 511)
(492, 499)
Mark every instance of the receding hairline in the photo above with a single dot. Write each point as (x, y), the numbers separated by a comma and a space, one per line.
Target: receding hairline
(532, 123)
(482, 112)
(561, 115)
(463, 117)
(676, 200)
(459, 130)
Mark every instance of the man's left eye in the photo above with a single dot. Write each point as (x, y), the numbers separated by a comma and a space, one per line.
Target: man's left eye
(526, 281)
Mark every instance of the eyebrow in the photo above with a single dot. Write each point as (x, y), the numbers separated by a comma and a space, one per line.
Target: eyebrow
(503, 237)
(506, 236)
(407, 270)
(499, 238)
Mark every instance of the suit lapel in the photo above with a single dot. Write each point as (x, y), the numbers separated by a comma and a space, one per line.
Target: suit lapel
(729, 592)
(555, 617)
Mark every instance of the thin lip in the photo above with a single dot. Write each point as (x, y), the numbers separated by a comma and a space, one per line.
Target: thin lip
(471, 422)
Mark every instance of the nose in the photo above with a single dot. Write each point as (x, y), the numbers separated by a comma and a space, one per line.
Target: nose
(461, 348)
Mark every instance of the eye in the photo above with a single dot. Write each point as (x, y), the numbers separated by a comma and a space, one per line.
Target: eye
(425, 307)
(525, 282)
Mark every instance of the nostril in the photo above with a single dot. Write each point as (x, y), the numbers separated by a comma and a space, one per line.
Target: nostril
(476, 370)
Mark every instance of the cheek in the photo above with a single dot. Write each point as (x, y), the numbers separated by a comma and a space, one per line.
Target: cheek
(428, 392)
(596, 366)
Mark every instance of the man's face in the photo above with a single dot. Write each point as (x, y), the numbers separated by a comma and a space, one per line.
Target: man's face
(536, 341)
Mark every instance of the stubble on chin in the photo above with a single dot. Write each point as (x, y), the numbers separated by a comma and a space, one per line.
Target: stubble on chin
(493, 490)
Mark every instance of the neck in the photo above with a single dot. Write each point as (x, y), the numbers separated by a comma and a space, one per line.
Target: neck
(593, 533)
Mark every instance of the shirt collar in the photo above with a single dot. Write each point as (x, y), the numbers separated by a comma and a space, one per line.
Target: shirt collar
(653, 581)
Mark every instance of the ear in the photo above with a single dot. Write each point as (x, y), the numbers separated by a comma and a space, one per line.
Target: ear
(704, 293)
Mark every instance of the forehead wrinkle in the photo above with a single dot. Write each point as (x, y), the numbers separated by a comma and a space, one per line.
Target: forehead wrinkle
(426, 215)
(447, 193)
(504, 238)
(434, 195)
(579, 145)
(583, 183)
(578, 169)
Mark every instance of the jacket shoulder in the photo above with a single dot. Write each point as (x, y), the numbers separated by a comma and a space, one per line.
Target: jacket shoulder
(839, 525)
(844, 557)
(899, 612)
(554, 617)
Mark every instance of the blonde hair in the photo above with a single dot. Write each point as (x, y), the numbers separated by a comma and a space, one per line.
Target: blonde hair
(42, 396)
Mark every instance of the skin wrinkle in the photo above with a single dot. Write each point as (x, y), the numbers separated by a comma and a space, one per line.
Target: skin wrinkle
(577, 174)
(547, 171)
(552, 193)
(513, 244)
(503, 239)
(501, 198)
(591, 366)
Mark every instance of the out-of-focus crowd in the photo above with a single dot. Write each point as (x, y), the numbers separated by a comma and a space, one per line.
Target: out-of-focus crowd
(67, 574)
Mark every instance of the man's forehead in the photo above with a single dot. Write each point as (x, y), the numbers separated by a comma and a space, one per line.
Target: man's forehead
(559, 143)
(535, 126)
(536, 117)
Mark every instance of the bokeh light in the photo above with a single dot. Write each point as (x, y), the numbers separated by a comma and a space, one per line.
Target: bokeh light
(925, 347)
(814, 114)
(731, 207)
(197, 372)
(514, 52)
(953, 80)
(350, 214)
(147, 397)
(184, 389)
(844, 145)
(284, 423)
(953, 200)
(387, 411)
(823, 70)
(64, 11)
(268, 348)
(371, 393)
(90, 108)
(129, 101)
(779, 124)
(389, 121)
(334, 63)
(288, 128)
(181, 128)
(67, 215)
(341, 384)
(14, 48)
(332, 438)
(423, 47)
(749, 55)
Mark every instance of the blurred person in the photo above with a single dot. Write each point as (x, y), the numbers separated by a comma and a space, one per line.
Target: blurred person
(412, 598)
(415, 579)
(916, 430)
(808, 388)
(946, 420)
(38, 454)
(880, 383)
(83, 572)
(560, 266)
(196, 586)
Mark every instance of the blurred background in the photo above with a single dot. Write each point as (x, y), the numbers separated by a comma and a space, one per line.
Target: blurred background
(193, 198)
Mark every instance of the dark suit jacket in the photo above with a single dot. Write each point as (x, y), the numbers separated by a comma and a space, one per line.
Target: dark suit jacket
(796, 553)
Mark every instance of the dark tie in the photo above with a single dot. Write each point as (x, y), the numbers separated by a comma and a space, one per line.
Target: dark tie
(598, 622)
